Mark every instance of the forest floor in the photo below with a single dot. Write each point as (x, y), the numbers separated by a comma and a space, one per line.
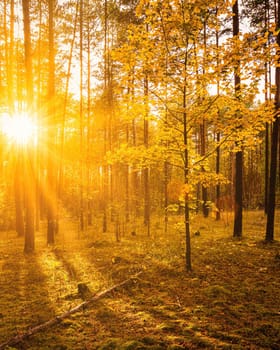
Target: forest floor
(231, 299)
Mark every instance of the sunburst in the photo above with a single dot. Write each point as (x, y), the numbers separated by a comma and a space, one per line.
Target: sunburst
(19, 129)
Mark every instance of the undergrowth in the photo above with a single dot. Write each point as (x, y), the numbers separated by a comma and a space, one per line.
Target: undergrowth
(229, 301)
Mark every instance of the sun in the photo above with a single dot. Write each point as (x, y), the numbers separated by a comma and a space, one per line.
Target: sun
(19, 128)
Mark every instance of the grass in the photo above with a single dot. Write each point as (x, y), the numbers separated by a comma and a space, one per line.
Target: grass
(230, 300)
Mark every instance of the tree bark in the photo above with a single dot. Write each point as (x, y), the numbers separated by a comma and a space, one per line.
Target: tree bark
(51, 200)
(205, 207)
(237, 230)
(29, 152)
(82, 219)
(218, 186)
(186, 170)
(203, 130)
(269, 235)
(146, 171)
(88, 148)
(18, 186)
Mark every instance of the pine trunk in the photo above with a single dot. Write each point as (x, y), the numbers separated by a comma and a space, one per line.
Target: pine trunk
(18, 187)
(218, 186)
(51, 98)
(186, 171)
(146, 169)
(274, 158)
(29, 154)
(237, 230)
(82, 219)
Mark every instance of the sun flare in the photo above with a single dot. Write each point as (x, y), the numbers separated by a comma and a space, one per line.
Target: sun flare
(19, 129)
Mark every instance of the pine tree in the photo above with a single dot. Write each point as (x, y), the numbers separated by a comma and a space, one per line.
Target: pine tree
(238, 197)
(29, 156)
(51, 201)
(274, 153)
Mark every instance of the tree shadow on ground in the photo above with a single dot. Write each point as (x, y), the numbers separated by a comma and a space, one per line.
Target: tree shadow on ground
(24, 295)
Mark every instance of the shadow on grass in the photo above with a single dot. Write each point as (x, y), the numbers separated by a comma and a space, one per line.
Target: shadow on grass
(24, 297)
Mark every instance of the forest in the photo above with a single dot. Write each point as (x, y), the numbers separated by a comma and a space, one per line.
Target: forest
(139, 173)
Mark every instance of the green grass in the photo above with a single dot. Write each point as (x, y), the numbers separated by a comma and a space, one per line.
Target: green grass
(229, 301)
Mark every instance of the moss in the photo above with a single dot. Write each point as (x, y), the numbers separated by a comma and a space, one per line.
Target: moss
(166, 327)
(148, 341)
(111, 344)
(268, 330)
(202, 343)
(188, 332)
(133, 345)
(217, 291)
(223, 302)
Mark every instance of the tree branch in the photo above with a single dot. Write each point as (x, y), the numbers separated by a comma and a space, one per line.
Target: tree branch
(57, 319)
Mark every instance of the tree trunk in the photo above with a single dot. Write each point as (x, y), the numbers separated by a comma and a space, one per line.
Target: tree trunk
(39, 162)
(18, 185)
(205, 207)
(62, 136)
(218, 152)
(82, 221)
(269, 235)
(146, 171)
(9, 54)
(203, 132)
(105, 175)
(166, 178)
(237, 232)
(127, 181)
(218, 186)
(267, 85)
(238, 202)
(186, 170)
(89, 209)
(266, 183)
(51, 200)
(29, 156)
(29, 200)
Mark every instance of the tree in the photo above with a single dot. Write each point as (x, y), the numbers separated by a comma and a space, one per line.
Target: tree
(29, 155)
(269, 235)
(81, 114)
(10, 65)
(238, 201)
(51, 200)
(18, 186)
